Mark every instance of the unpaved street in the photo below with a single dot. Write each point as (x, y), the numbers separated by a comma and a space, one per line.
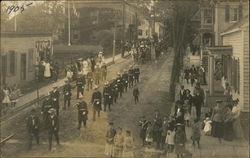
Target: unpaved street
(153, 86)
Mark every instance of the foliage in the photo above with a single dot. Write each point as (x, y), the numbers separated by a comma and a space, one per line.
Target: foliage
(46, 17)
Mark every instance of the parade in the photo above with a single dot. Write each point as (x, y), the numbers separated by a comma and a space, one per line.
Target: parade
(124, 79)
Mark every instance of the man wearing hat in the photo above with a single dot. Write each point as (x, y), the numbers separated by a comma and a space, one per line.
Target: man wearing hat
(131, 76)
(107, 95)
(53, 127)
(67, 94)
(114, 90)
(89, 80)
(96, 101)
(33, 124)
(125, 79)
(82, 113)
(97, 73)
(120, 84)
(47, 104)
(55, 98)
(80, 82)
(137, 74)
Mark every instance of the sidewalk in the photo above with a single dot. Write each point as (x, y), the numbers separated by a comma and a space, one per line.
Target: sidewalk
(210, 146)
(28, 98)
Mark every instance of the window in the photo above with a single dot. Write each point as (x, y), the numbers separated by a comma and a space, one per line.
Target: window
(208, 16)
(234, 13)
(12, 62)
(31, 59)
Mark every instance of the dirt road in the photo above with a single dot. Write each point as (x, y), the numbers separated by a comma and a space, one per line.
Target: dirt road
(89, 142)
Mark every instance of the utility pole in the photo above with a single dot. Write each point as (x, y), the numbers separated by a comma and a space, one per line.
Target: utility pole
(123, 27)
(136, 21)
(69, 43)
(114, 42)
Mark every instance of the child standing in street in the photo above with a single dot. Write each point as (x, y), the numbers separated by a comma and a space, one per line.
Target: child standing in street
(208, 126)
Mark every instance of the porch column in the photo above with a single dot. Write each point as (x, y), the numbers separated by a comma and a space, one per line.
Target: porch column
(211, 74)
(229, 69)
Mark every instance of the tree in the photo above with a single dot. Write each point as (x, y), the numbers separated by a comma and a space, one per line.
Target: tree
(177, 15)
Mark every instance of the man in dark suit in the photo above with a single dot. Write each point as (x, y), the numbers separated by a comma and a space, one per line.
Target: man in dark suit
(96, 101)
(67, 94)
(107, 95)
(82, 113)
(125, 80)
(33, 124)
(55, 99)
(53, 127)
(79, 86)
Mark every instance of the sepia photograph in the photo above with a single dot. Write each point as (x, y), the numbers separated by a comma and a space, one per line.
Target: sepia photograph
(124, 79)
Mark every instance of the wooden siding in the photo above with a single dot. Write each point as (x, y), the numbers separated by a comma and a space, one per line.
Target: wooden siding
(246, 70)
(236, 41)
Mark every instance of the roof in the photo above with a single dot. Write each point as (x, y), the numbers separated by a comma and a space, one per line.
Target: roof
(21, 34)
(237, 26)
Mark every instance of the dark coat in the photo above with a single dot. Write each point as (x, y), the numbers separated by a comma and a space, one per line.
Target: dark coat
(82, 111)
(33, 124)
(96, 100)
(67, 91)
(53, 124)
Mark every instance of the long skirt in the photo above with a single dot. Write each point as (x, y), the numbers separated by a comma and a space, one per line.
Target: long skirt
(217, 129)
(228, 131)
(109, 149)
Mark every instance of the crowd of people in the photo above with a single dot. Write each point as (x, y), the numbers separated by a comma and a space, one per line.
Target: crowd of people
(100, 100)
(195, 75)
(169, 133)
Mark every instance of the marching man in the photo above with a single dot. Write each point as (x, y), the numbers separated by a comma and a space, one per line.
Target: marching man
(33, 124)
(67, 94)
(82, 113)
(96, 101)
(53, 127)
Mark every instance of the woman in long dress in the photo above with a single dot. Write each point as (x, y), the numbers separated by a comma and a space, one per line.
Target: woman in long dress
(6, 99)
(128, 148)
(217, 118)
(109, 147)
(118, 143)
(47, 70)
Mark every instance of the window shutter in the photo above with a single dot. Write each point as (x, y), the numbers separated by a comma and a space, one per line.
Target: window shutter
(240, 12)
(227, 13)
